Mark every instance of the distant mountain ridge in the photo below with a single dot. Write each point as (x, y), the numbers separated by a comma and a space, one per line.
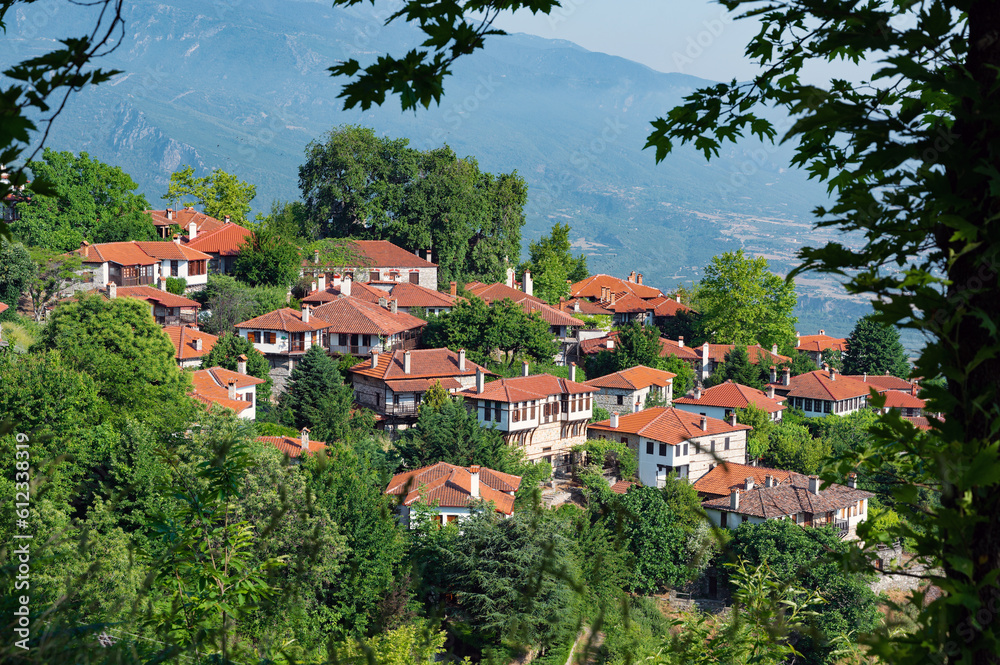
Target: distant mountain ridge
(245, 87)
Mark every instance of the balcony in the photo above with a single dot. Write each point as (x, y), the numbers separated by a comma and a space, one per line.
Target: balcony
(842, 527)
(405, 409)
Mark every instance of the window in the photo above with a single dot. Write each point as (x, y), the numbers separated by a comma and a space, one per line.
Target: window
(663, 450)
(395, 400)
(496, 411)
(697, 447)
(196, 268)
(174, 267)
(486, 411)
(723, 520)
(826, 407)
(532, 409)
(621, 399)
(727, 443)
(624, 439)
(588, 402)
(809, 405)
(342, 339)
(366, 340)
(745, 518)
(685, 449)
(272, 338)
(649, 447)
(452, 518)
(251, 336)
(514, 415)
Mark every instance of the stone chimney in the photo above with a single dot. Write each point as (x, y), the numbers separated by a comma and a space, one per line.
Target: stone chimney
(814, 485)
(614, 420)
(192, 231)
(112, 290)
(241, 363)
(732, 419)
(704, 423)
(748, 483)
(453, 289)
(163, 283)
(321, 281)
(786, 376)
(774, 374)
(528, 285)
(305, 314)
(614, 296)
(734, 499)
(680, 341)
(406, 363)
(461, 360)
(226, 219)
(833, 373)
(315, 256)
(852, 481)
(572, 371)
(822, 332)
(345, 286)
(697, 390)
(177, 238)
(678, 297)
(637, 407)
(631, 277)
(232, 389)
(638, 278)
(394, 306)
(704, 361)
(770, 392)
(768, 480)
(313, 286)
(383, 303)
(374, 357)
(170, 214)
(474, 481)
(480, 380)
(197, 344)
(304, 438)
(525, 370)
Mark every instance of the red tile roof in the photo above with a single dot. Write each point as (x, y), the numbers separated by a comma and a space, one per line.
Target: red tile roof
(667, 347)
(668, 307)
(354, 316)
(630, 304)
(883, 382)
(421, 385)
(122, 253)
(591, 288)
(634, 378)
(790, 497)
(731, 395)
(820, 343)
(492, 292)
(291, 446)
(895, 399)
(414, 295)
(183, 218)
(920, 422)
(451, 486)
(211, 387)
(377, 254)
(575, 306)
(527, 388)
(727, 476)
(183, 338)
(224, 241)
(172, 250)
(285, 319)
(622, 486)
(818, 385)
(4, 307)
(152, 294)
(424, 364)
(757, 354)
(667, 425)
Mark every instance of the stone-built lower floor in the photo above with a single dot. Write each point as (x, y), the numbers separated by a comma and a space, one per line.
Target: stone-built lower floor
(552, 443)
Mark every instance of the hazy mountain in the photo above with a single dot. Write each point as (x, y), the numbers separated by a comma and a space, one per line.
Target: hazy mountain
(243, 86)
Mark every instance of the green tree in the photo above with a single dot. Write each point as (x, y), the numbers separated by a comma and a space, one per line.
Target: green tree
(738, 369)
(453, 434)
(655, 536)
(874, 348)
(637, 345)
(226, 353)
(53, 274)
(231, 301)
(792, 447)
(267, 259)
(16, 272)
(684, 379)
(84, 199)
(801, 363)
(176, 285)
(317, 398)
(551, 263)
(758, 439)
(742, 302)
(218, 193)
(834, 358)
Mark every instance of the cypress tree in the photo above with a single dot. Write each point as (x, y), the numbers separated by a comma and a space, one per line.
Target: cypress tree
(874, 348)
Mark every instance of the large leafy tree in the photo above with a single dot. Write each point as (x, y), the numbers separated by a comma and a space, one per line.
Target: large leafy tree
(88, 200)
(54, 273)
(226, 353)
(16, 272)
(655, 535)
(738, 369)
(742, 302)
(874, 348)
(452, 434)
(266, 258)
(552, 263)
(218, 193)
(231, 301)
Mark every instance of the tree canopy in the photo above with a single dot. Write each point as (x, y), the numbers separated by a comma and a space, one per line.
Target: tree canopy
(874, 348)
(226, 353)
(267, 259)
(219, 193)
(552, 263)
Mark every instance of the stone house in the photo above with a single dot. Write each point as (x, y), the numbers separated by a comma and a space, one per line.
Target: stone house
(453, 490)
(375, 261)
(722, 400)
(669, 441)
(393, 384)
(222, 244)
(283, 336)
(626, 391)
(824, 392)
(542, 414)
(167, 309)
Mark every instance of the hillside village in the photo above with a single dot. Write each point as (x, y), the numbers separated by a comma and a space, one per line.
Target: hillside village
(420, 412)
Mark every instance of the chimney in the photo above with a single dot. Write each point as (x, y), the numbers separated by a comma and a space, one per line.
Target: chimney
(305, 314)
(786, 376)
(822, 332)
(163, 283)
(576, 305)
(572, 372)
(613, 296)
(797, 335)
(697, 390)
(197, 344)
(680, 341)
(315, 256)
(374, 357)
(232, 389)
(631, 277)
(84, 244)
(406, 363)
(241, 363)
(430, 255)
(814, 485)
(383, 303)
(732, 419)
(461, 360)
(524, 368)
(112, 290)
(704, 359)
(453, 290)
(833, 374)
(177, 238)
(913, 390)
(734, 499)
(638, 278)
(748, 483)
(510, 277)
(170, 214)
(313, 286)
(474, 481)
(864, 377)
(611, 344)
(768, 480)
(345, 286)
(394, 306)
(774, 374)
(852, 481)
(528, 285)
(192, 231)
(480, 380)
(304, 438)
(614, 420)
(604, 293)
(637, 407)
(678, 297)
(774, 349)
(704, 423)
(770, 392)
(321, 281)
(336, 280)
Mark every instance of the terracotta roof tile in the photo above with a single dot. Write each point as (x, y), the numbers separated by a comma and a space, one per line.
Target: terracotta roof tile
(630, 304)
(285, 319)
(576, 306)
(820, 343)
(152, 294)
(591, 287)
(622, 486)
(883, 382)
(183, 338)
(817, 385)
(734, 396)
(493, 292)
(4, 307)
(291, 446)
(756, 353)
(172, 250)
(354, 316)
(894, 399)
(451, 486)
(669, 307)
(667, 425)
(420, 385)
(211, 387)
(726, 476)
(379, 254)
(668, 347)
(224, 241)
(527, 388)
(634, 378)
(184, 217)
(788, 498)
(122, 253)
(424, 364)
